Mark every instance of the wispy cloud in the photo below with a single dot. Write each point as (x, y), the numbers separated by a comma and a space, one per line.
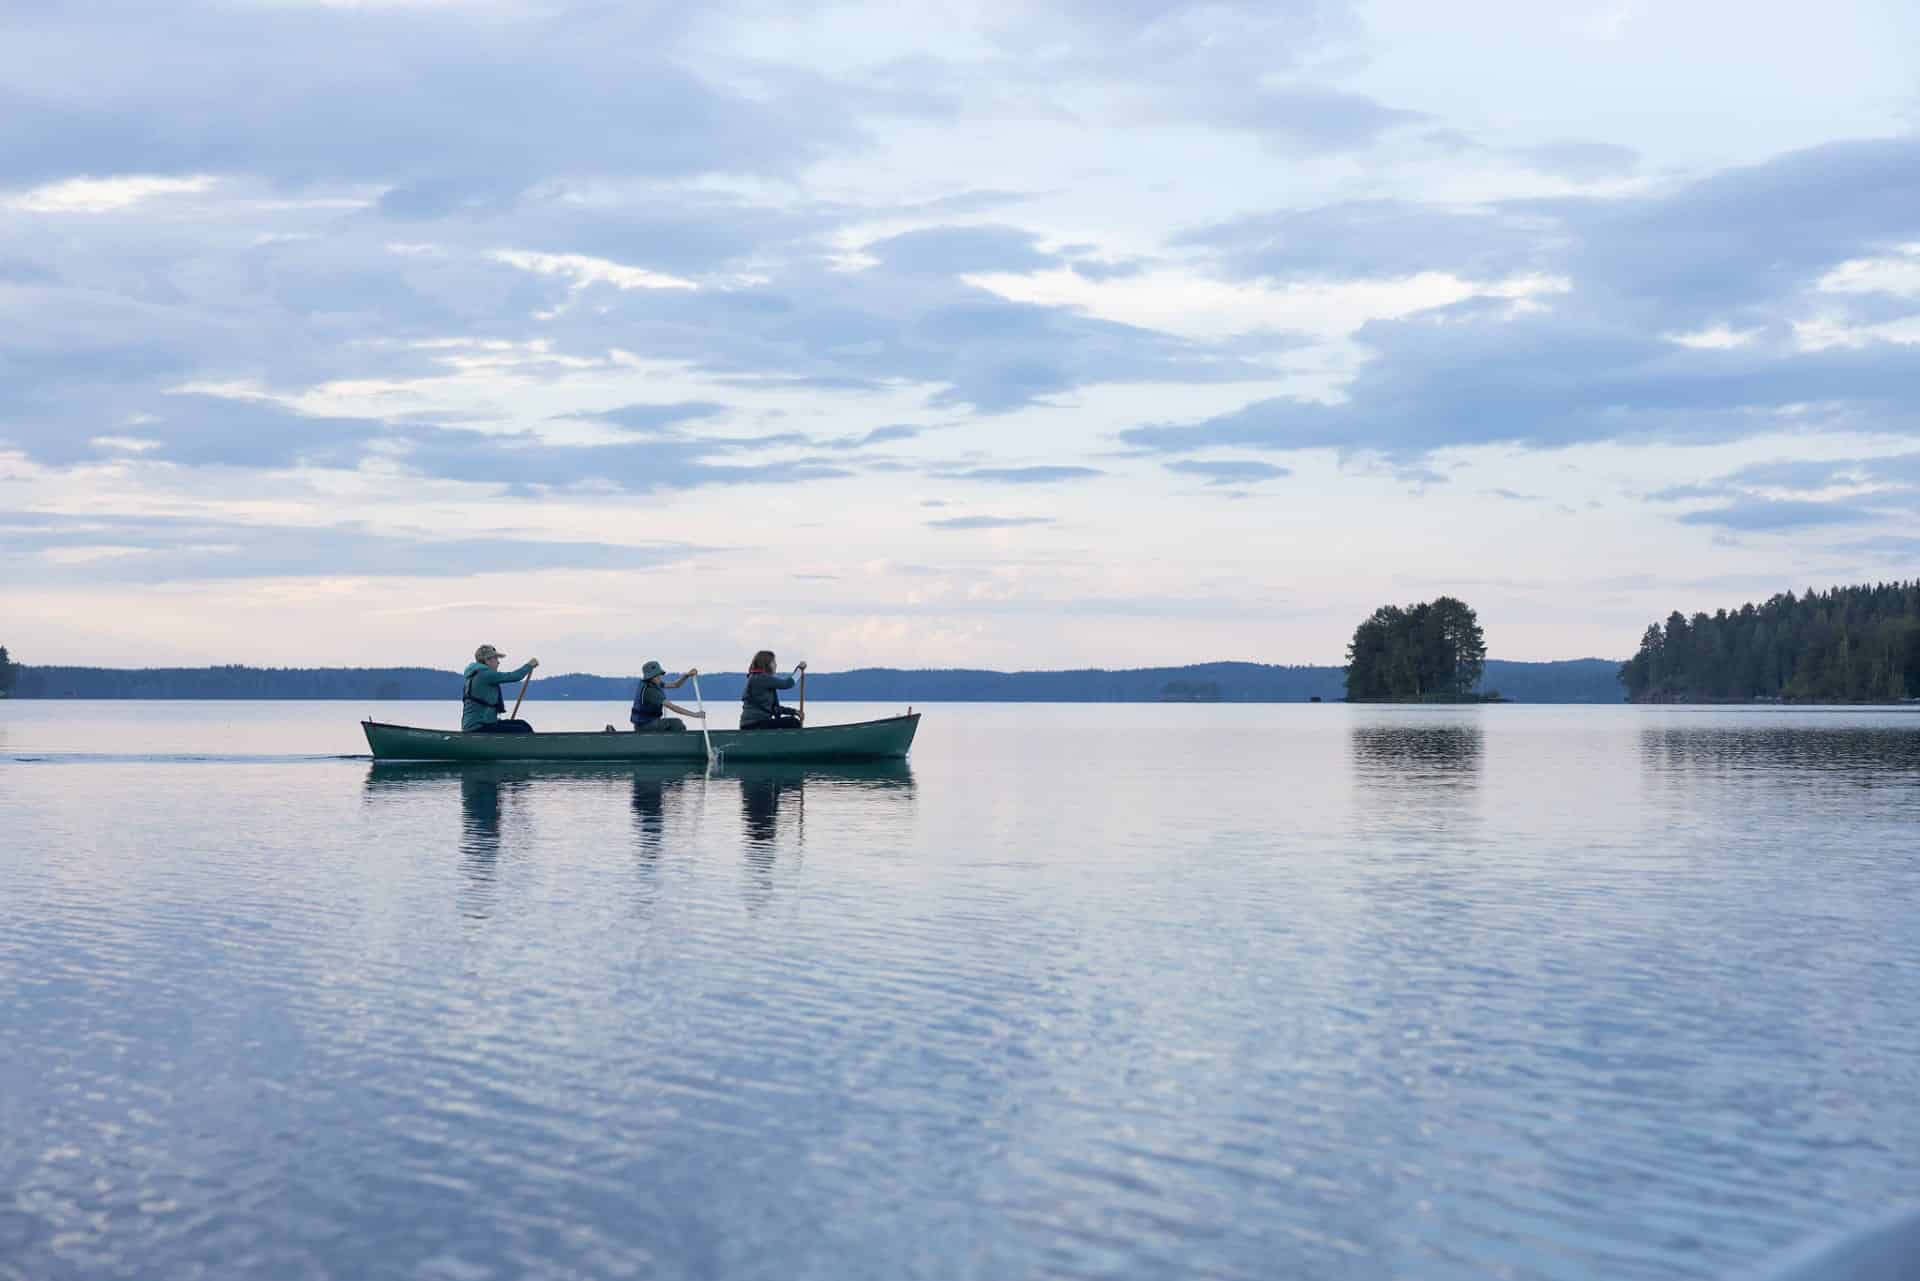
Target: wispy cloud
(1043, 475)
(987, 522)
(39, 547)
(1761, 514)
(1225, 472)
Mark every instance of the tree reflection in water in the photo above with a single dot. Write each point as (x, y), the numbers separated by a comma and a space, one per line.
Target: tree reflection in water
(1417, 775)
(1864, 756)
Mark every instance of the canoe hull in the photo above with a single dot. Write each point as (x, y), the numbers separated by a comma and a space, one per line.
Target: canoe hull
(880, 740)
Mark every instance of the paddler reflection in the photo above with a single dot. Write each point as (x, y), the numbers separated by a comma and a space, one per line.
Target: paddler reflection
(481, 797)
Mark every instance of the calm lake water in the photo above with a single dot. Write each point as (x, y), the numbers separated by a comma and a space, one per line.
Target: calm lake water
(1116, 991)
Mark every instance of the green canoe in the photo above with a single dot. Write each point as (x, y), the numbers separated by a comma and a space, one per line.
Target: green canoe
(886, 739)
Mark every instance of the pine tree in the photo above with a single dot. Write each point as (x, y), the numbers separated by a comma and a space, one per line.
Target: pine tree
(1845, 644)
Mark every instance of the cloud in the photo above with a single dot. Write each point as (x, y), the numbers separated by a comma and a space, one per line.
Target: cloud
(1812, 474)
(426, 93)
(1321, 119)
(953, 251)
(878, 436)
(988, 522)
(1886, 547)
(1373, 239)
(1741, 249)
(1224, 472)
(1715, 247)
(1024, 475)
(42, 547)
(101, 195)
(1583, 161)
(1478, 373)
(1764, 515)
(1897, 473)
(643, 419)
(582, 270)
(526, 462)
(199, 430)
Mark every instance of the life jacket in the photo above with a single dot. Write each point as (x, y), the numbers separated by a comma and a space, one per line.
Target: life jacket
(499, 703)
(645, 711)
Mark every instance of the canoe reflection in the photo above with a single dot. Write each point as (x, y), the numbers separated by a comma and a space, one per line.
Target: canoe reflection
(498, 800)
(666, 801)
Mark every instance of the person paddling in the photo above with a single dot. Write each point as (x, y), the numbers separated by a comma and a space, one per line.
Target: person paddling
(650, 700)
(482, 705)
(760, 702)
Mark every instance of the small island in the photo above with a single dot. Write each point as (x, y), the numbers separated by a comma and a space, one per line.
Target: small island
(1429, 652)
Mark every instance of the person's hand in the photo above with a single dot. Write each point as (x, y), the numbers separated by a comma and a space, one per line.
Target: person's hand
(693, 671)
(699, 716)
(533, 662)
(800, 666)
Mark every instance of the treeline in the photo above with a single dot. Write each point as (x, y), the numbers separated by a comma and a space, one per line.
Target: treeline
(1432, 650)
(1587, 680)
(1844, 645)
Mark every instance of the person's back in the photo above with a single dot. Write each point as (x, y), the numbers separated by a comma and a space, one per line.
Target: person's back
(650, 705)
(760, 701)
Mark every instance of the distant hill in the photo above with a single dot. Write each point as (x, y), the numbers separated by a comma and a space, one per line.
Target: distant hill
(1580, 680)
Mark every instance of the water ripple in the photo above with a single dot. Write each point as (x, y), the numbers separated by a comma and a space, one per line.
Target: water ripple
(1335, 993)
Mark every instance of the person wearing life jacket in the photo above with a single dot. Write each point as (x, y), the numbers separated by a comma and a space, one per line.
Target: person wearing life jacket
(483, 707)
(650, 703)
(760, 702)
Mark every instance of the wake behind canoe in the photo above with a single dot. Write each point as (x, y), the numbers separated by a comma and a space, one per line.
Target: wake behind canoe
(887, 739)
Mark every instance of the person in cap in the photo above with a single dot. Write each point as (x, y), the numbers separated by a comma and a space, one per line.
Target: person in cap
(650, 703)
(483, 707)
(760, 701)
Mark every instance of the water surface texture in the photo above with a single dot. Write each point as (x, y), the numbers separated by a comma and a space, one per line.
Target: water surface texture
(1114, 991)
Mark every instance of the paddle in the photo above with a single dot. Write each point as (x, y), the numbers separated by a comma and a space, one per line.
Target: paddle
(803, 696)
(703, 719)
(522, 698)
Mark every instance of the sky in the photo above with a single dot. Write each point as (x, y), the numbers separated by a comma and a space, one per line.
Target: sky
(1095, 333)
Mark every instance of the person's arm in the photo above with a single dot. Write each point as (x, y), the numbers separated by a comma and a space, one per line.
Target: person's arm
(487, 676)
(685, 676)
(683, 711)
(779, 682)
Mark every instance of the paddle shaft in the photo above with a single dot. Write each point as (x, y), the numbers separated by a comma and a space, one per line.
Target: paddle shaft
(803, 694)
(522, 698)
(703, 717)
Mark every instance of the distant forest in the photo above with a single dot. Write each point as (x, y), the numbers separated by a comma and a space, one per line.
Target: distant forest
(1844, 645)
(1584, 680)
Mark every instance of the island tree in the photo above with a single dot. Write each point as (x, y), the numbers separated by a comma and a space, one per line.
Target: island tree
(8, 672)
(1431, 650)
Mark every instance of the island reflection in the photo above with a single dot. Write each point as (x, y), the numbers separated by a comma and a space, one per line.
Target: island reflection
(1418, 774)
